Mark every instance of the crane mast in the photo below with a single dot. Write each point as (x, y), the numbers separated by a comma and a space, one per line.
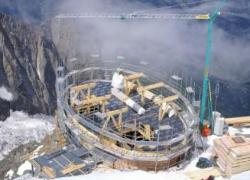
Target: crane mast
(205, 84)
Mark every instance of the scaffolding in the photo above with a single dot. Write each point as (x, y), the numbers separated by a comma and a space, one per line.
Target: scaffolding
(115, 132)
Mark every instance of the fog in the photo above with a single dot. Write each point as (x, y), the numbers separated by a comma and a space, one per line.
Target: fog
(169, 44)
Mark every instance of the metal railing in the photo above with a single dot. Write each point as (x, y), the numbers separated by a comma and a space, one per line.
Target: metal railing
(73, 77)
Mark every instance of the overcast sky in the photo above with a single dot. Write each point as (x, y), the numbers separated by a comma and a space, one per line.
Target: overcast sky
(173, 43)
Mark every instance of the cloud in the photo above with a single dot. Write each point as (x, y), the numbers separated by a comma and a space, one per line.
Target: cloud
(167, 44)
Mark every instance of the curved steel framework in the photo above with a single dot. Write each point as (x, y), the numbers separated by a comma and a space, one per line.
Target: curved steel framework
(172, 137)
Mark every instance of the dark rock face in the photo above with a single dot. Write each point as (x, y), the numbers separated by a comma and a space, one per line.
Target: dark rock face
(27, 62)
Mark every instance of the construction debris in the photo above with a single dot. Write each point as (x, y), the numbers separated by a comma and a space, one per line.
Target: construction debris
(204, 163)
(233, 154)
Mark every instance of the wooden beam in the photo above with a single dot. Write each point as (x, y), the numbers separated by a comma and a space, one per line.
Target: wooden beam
(94, 99)
(72, 167)
(163, 103)
(145, 93)
(131, 85)
(133, 76)
(158, 100)
(110, 116)
(117, 111)
(165, 100)
(83, 86)
(145, 131)
(131, 82)
(49, 172)
(85, 105)
(238, 120)
(170, 98)
(153, 86)
(161, 113)
(75, 91)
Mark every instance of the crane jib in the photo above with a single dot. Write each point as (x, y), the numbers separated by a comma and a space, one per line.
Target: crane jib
(135, 16)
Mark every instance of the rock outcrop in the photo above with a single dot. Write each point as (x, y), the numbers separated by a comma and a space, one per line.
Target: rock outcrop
(28, 58)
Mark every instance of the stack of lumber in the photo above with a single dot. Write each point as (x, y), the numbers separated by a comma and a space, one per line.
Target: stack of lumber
(233, 154)
(238, 120)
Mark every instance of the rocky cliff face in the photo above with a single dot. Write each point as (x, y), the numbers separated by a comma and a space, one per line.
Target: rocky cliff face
(27, 62)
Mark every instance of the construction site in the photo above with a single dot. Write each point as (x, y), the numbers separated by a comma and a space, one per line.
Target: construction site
(122, 117)
(132, 116)
(125, 116)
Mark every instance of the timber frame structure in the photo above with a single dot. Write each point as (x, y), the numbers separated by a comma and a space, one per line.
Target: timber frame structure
(99, 118)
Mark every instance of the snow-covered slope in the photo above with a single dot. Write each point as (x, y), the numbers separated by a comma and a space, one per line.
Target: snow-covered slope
(130, 175)
(20, 128)
(105, 173)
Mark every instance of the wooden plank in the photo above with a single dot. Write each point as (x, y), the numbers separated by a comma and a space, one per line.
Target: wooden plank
(233, 154)
(230, 159)
(221, 166)
(153, 86)
(230, 172)
(230, 154)
(49, 172)
(97, 99)
(71, 168)
(149, 95)
(230, 165)
(159, 101)
(170, 98)
(239, 149)
(134, 76)
(83, 86)
(239, 169)
(238, 120)
(229, 143)
(117, 111)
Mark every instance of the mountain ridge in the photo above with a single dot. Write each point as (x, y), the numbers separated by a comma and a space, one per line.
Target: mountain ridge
(27, 62)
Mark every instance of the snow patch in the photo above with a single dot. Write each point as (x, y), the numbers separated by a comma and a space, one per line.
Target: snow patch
(5, 94)
(131, 175)
(9, 174)
(27, 177)
(20, 128)
(233, 130)
(241, 176)
(26, 166)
